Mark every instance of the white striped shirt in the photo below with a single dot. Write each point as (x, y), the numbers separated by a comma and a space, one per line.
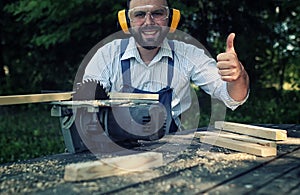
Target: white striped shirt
(190, 64)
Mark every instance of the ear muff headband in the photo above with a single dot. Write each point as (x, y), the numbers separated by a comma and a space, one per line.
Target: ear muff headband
(124, 21)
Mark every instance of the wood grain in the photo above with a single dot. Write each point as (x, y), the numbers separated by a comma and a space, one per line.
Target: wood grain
(261, 132)
(34, 98)
(239, 137)
(250, 148)
(112, 166)
(132, 96)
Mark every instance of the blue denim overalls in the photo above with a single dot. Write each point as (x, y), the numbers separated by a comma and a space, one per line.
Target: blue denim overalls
(165, 94)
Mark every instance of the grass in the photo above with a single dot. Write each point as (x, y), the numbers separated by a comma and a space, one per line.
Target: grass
(28, 131)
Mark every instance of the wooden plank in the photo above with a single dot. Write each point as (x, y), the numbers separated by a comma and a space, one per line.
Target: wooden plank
(262, 132)
(239, 137)
(130, 96)
(250, 148)
(34, 98)
(113, 166)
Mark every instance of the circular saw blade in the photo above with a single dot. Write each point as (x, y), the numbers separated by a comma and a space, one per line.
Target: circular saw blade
(90, 90)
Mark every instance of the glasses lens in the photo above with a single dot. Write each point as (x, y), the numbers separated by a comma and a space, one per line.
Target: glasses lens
(157, 13)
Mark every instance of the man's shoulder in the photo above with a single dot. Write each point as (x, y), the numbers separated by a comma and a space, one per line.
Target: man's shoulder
(116, 44)
(108, 47)
(187, 44)
(113, 43)
(189, 47)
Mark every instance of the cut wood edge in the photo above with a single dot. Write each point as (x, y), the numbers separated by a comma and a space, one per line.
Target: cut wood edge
(256, 131)
(35, 98)
(244, 138)
(250, 148)
(112, 166)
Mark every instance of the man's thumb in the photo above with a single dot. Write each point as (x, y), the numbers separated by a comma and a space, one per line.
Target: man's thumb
(229, 43)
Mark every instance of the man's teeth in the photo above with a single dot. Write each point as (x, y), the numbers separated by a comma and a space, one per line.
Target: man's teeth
(149, 32)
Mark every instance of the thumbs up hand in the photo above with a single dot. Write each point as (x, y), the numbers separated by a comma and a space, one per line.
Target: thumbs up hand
(230, 69)
(233, 72)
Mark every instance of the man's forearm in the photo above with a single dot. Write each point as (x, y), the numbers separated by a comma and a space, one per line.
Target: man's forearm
(238, 89)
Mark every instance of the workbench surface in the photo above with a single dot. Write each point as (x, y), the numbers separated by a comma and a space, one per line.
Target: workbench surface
(190, 167)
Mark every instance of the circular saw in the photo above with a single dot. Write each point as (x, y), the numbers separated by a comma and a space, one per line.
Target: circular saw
(123, 118)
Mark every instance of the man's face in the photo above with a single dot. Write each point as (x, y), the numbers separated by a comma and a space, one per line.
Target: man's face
(149, 20)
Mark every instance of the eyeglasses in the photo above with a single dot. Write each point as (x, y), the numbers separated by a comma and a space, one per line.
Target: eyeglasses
(138, 14)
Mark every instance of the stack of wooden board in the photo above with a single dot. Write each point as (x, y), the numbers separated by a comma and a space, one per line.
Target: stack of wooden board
(260, 141)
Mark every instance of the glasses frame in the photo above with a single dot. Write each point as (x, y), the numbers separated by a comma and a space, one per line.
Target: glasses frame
(149, 12)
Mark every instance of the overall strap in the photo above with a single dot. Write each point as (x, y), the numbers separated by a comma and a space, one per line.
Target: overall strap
(125, 64)
(171, 63)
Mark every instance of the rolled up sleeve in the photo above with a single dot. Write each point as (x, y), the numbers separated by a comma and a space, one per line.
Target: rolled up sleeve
(225, 97)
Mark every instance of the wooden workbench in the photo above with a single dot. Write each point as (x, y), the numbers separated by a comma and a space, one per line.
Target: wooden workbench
(191, 168)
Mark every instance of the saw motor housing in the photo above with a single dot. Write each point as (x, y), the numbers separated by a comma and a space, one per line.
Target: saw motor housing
(87, 123)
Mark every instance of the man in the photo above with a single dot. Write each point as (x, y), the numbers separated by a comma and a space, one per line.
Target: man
(149, 63)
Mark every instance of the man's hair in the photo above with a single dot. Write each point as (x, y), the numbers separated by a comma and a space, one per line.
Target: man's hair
(128, 3)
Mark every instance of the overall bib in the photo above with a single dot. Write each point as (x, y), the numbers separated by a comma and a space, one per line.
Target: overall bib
(165, 97)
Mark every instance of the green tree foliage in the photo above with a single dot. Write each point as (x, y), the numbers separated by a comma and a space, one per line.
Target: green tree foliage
(44, 41)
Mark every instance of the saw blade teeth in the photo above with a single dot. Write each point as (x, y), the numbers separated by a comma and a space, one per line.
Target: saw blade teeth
(90, 89)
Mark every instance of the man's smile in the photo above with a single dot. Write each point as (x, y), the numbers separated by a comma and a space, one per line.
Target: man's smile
(150, 32)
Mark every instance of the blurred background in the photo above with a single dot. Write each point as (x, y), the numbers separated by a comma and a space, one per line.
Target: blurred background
(44, 41)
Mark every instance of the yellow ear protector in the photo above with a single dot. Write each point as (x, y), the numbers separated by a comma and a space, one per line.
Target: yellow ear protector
(124, 21)
(174, 18)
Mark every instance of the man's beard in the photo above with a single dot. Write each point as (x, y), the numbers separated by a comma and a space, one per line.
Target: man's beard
(150, 43)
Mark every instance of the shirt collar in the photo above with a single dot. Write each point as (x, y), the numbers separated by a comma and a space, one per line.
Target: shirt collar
(132, 51)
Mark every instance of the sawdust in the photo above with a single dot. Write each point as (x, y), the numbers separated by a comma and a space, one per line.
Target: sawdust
(38, 176)
(190, 173)
(186, 172)
(192, 170)
(16, 178)
(35, 175)
(212, 160)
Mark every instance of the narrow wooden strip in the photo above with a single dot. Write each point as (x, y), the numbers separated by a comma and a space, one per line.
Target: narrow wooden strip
(250, 148)
(141, 96)
(262, 132)
(34, 98)
(112, 166)
(243, 138)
